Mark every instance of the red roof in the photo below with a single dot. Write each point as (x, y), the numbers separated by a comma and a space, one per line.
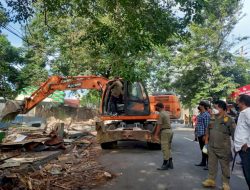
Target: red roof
(72, 102)
(241, 90)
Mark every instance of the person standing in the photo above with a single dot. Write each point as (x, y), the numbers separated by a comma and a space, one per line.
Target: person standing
(186, 119)
(163, 129)
(242, 135)
(116, 92)
(195, 125)
(194, 120)
(202, 124)
(221, 127)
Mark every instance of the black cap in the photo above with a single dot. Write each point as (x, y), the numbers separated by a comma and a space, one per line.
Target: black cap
(159, 105)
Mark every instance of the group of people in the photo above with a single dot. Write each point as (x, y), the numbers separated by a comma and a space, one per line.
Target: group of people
(214, 129)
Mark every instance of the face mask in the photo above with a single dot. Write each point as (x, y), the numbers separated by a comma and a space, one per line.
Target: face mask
(215, 111)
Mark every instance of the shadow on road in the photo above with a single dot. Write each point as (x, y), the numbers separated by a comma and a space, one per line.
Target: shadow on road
(136, 166)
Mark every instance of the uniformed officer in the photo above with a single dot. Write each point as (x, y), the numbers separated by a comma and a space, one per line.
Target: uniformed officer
(163, 129)
(220, 128)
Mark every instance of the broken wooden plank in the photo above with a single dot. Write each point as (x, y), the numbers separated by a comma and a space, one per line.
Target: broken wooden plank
(8, 157)
(9, 165)
(25, 141)
(21, 160)
(68, 141)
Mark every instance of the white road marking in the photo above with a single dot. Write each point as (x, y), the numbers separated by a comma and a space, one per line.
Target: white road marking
(189, 139)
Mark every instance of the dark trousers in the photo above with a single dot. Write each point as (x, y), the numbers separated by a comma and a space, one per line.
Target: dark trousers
(113, 104)
(245, 157)
(204, 156)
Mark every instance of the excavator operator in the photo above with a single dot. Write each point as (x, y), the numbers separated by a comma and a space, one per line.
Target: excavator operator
(116, 93)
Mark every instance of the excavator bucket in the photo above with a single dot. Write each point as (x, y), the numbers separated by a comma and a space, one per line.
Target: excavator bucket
(11, 110)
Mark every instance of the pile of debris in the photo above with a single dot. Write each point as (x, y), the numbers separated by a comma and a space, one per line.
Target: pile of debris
(56, 157)
(76, 169)
(27, 139)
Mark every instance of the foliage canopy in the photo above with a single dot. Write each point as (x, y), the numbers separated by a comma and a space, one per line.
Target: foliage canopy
(173, 45)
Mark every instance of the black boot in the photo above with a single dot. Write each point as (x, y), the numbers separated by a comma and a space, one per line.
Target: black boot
(164, 165)
(201, 164)
(170, 163)
(206, 167)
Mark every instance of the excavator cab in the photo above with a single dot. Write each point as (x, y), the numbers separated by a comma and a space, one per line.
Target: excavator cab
(133, 102)
(134, 120)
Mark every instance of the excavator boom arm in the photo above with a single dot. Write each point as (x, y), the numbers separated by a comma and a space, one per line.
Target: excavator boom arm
(63, 83)
(54, 83)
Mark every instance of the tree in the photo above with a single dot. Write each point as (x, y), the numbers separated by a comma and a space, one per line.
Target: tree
(105, 37)
(108, 40)
(3, 17)
(199, 61)
(9, 60)
(20, 67)
(133, 39)
(239, 71)
(91, 99)
(163, 72)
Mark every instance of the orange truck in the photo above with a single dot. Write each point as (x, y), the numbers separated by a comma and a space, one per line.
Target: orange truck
(171, 104)
(136, 119)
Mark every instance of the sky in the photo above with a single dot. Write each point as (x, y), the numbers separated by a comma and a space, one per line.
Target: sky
(240, 30)
(243, 29)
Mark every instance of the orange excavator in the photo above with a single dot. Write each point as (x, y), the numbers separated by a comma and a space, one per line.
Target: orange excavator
(136, 118)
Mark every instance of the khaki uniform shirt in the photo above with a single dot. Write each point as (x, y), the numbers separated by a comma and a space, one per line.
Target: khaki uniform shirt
(164, 120)
(220, 130)
(116, 88)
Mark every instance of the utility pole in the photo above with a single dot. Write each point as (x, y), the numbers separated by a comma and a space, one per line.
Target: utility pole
(241, 51)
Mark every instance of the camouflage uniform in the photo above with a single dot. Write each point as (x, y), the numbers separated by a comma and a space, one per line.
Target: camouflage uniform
(166, 134)
(219, 146)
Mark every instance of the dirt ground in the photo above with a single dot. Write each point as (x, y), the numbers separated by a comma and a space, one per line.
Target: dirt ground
(76, 169)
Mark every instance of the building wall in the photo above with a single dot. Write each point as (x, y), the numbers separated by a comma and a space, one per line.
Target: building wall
(63, 112)
(1, 107)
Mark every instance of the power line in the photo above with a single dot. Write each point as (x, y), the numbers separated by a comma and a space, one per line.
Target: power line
(14, 33)
(14, 29)
(21, 37)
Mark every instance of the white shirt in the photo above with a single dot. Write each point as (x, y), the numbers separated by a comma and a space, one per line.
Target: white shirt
(242, 131)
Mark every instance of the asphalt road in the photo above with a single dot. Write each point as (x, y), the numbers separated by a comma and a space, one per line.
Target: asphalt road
(135, 166)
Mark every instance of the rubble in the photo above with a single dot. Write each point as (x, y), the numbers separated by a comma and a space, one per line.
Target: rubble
(108, 175)
(68, 171)
(27, 163)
